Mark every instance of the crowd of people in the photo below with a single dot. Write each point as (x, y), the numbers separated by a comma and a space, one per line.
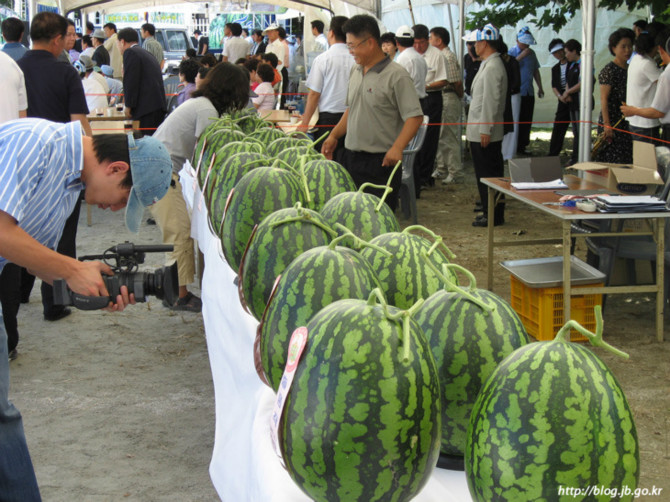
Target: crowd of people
(373, 92)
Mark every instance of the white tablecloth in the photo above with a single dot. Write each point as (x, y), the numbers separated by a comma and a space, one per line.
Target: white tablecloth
(244, 466)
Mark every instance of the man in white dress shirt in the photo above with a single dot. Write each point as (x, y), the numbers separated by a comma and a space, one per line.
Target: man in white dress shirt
(320, 40)
(436, 80)
(411, 60)
(236, 47)
(327, 82)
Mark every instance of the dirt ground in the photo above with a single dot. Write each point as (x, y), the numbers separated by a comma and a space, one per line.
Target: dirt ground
(121, 406)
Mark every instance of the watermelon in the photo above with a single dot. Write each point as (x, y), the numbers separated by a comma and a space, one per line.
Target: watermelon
(249, 121)
(284, 142)
(552, 416)
(402, 270)
(293, 154)
(215, 141)
(266, 135)
(313, 280)
(223, 154)
(276, 241)
(469, 331)
(230, 172)
(208, 134)
(362, 213)
(325, 179)
(260, 192)
(362, 418)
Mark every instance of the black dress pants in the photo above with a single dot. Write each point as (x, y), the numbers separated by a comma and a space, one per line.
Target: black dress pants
(10, 298)
(561, 126)
(327, 121)
(488, 163)
(525, 115)
(367, 167)
(431, 105)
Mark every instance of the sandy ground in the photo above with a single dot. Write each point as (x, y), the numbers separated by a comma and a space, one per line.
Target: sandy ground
(121, 406)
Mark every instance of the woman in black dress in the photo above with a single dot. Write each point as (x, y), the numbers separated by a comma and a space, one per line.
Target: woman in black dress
(618, 147)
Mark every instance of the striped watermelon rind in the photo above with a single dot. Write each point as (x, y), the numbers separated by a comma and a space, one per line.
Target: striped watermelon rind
(260, 192)
(551, 415)
(325, 179)
(362, 418)
(470, 331)
(364, 214)
(231, 171)
(312, 281)
(402, 270)
(279, 238)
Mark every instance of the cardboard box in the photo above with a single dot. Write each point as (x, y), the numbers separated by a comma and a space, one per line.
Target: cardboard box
(640, 178)
(535, 169)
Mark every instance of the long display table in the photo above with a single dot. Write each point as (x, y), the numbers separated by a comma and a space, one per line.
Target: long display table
(244, 466)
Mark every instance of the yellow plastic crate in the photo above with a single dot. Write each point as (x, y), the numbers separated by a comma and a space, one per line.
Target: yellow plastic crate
(541, 309)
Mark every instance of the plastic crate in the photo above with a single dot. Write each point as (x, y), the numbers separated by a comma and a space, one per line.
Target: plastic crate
(541, 309)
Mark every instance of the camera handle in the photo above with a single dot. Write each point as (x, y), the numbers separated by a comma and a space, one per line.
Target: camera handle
(63, 297)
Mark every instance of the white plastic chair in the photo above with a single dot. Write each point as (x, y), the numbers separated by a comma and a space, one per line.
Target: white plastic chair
(407, 189)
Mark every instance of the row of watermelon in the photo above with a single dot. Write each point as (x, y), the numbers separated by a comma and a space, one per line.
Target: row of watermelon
(382, 388)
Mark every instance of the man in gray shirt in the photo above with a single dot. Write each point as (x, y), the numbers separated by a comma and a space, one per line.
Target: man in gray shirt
(152, 45)
(383, 111)
(485, 118)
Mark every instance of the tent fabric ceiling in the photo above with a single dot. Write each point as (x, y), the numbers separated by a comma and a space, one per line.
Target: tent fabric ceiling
(88, 6)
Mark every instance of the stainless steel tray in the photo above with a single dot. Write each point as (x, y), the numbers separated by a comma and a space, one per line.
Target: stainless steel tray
(548, 272)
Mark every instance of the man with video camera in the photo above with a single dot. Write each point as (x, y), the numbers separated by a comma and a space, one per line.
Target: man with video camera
(43, 167)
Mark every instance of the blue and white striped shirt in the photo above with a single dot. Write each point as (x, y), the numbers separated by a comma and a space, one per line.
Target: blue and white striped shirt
(40, 175)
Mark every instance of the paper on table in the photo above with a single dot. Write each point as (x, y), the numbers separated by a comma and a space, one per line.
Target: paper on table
(545, 185)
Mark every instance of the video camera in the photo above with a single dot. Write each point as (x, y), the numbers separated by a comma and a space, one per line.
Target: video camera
(124, 259)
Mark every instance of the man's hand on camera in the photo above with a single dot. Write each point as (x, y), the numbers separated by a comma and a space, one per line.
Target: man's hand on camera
(86, 278)
(122, 301)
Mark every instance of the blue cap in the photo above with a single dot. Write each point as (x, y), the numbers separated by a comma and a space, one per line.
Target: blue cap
(488, 32)
(151, 168)
(107, 70)
(525, 37)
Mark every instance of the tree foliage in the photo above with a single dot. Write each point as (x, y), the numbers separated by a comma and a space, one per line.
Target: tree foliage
(554, 14)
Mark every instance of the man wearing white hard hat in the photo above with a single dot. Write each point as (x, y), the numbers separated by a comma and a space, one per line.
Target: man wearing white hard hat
(276, 47)
(485, 128)
(411, 60)
(530, 69)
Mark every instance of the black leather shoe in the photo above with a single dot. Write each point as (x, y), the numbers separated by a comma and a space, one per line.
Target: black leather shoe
(57, 316)
(483, 221)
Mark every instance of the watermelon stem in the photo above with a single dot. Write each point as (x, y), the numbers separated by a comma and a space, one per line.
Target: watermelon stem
(451, 286)
(377, 298)
(305, 217)
(438, 240)
(388, 189)
(303, 178)
(596, 338)
(289, 167)
(317, 141)
(358, 242)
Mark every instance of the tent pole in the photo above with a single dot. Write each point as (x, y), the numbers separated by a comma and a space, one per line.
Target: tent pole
(411, 12)
(586, 94)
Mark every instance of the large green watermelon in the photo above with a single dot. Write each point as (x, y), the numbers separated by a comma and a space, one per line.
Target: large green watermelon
(224, 180)
(326, 179)
(276, 241)
(215, 140)
(266, 135)
(551, 417)
(398, 260)
(295, 154)
(285, 142)
(366, 215)
(313, 280)
(362, 417)
(469, 331)
(260, 192)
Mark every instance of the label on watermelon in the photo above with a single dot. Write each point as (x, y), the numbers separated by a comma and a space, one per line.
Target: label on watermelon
(295, 349)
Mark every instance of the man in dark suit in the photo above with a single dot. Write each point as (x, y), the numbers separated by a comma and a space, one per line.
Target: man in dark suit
(259, 45)
(142, 83)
